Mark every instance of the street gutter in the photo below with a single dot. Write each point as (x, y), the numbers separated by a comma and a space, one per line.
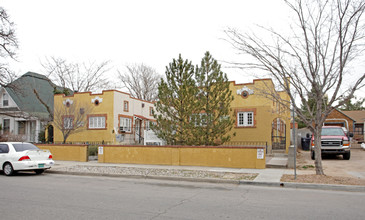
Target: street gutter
(346, 188)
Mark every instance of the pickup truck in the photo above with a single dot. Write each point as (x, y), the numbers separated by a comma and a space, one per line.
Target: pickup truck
(335, 141)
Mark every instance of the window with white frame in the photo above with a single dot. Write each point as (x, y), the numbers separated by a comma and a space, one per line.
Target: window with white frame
(125, 124)
(5, 100)
(6, 126)
(245, 119)
(126, 106)
(200, 119)
(68, 122)
(96, 122)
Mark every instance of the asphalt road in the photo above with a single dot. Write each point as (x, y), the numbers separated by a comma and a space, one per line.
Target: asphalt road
(52, 196)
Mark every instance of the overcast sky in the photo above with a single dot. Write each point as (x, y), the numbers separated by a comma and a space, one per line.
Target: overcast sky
(152, 32)
(125, 32)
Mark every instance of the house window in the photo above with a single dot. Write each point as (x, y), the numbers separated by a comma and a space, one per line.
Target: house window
(21, 127)
(151, 111)
(200, 119)
(359, 129)
(126, 106)
(125, 124)
(97, 122)
(6, 126)
(68, 123)
(245, 119)
(245, 94)
(5, 100)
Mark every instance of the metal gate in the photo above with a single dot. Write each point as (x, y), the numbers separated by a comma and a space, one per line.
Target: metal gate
(278, 134)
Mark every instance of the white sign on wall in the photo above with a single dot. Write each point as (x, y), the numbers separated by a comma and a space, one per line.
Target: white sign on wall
(260, 154)
(101, 150)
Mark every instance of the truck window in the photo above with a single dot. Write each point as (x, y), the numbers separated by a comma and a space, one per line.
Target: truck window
(332, 132)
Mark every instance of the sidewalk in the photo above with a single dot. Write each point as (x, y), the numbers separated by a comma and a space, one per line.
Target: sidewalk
(259, 177)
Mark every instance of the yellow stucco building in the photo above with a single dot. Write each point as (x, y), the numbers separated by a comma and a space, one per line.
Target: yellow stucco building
(258, 117)
(114, 117)
(110, 117)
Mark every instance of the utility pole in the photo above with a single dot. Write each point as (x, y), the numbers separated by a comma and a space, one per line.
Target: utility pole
(295, 147)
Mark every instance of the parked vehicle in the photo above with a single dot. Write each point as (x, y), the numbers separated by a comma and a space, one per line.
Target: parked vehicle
(17, 156)
(334, 140)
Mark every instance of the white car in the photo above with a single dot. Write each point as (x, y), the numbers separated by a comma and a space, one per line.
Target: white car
(17, 156)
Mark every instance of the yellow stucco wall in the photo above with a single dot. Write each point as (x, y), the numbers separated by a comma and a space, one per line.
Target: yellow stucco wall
(265, 112)
(233, 157)
(105, 108)
(66, 152)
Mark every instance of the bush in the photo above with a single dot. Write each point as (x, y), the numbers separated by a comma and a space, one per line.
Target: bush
(42, 137)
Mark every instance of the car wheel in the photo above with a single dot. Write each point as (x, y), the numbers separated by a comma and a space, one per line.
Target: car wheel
(8, 169)
(347, 156)
(313, 155)
(38, 171)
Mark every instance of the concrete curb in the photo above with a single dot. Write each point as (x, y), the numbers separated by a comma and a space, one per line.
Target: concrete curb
(347, 188)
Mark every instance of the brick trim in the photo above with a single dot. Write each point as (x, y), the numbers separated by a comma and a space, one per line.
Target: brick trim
(183, 146)
(63, 120)
(125, 116)
(246, 110)
(124, 108)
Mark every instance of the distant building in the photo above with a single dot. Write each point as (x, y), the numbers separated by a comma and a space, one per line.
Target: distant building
(115, 118)
(353, 121)
(359, 117)
(22, 115)
(340, 118)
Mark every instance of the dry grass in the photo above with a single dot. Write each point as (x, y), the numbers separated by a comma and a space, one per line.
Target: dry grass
(323, 179)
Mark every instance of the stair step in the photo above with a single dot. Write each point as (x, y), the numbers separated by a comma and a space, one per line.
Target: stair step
(279, 155)
(277, 162)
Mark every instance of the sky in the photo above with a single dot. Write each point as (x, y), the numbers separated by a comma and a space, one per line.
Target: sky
(138, 31)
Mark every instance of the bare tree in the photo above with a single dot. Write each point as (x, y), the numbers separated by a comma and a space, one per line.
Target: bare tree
(314, 60)
(75, 76)
(70, 117)
(141, 81)
(8, 46)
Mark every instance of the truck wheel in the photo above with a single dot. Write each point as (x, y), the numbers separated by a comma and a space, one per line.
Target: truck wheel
(313, 155)
(346, 156)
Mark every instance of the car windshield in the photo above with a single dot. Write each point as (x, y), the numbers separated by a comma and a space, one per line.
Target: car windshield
(332, 132)
(24, 146)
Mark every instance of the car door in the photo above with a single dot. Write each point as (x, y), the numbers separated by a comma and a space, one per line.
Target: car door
(4, 153)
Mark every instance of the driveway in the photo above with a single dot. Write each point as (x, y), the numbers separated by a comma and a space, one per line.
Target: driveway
(335, 165)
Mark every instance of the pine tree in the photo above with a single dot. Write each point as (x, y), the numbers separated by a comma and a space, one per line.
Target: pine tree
(356, 106)
(176, 103)
(213, 121)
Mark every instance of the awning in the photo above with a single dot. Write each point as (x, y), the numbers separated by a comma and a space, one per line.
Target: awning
(141, 117)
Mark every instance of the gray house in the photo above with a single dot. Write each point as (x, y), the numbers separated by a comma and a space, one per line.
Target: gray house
(23, 107)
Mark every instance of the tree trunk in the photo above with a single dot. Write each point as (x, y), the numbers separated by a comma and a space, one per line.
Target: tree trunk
(317, 152)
